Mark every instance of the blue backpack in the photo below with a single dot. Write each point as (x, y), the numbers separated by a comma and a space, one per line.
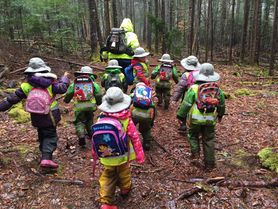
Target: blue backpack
(129, 76)
(142, 96)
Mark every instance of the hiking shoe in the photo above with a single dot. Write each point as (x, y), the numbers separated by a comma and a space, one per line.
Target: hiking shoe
(82, 142)
(124, 193)
(182, 128)
(106, 206)
(48, 164)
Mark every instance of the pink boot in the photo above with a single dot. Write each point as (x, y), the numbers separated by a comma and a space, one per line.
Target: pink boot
(49, 164)
(106, 206)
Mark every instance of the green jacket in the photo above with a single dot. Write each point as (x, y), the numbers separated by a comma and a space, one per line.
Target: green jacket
(131, 41)
(189, 110)
(156, 71)
(112, 71)
(97, 99)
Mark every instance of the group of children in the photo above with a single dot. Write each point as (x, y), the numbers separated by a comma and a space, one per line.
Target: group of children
(115, 140)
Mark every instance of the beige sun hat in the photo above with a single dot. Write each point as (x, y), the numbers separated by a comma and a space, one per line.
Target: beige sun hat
(191, 63)
(37, 65)
(207, 73)
(113, 64)
(85, 70)
(166, 58)
(140, 52)
(114, 100)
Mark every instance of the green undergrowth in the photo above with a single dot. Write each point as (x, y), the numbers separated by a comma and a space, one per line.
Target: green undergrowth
(18, 113)
(243, 92)
(269, 158)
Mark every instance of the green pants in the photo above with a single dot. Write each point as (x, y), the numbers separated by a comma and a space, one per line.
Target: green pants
(83, 122)
(163, 95)
(207, 136)
(145, 126)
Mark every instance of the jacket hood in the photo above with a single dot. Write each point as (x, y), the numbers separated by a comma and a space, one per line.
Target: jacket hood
(127, 25)
(125, 114)
(42, 82)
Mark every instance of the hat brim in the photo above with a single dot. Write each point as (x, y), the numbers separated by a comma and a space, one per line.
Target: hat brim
(170, 61)
(106, 107)
(82, 73)
(41, 69)
(190, 67)
(142, 55)
(212, 78)
(114, 67)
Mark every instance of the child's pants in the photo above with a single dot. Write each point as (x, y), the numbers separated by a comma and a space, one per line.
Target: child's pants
(208, 136)
(111, 177)
(83, 122)
(48, 138)
(145, 127)
(163, 94)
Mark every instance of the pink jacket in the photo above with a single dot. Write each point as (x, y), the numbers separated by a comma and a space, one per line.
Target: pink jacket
(132, 133)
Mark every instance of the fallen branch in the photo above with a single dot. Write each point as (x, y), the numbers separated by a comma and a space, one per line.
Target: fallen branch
(256, 184)
(163, 148)
(18, 70)
(67, 181)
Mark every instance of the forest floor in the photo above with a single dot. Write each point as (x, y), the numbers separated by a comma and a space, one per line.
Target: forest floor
(251, 124)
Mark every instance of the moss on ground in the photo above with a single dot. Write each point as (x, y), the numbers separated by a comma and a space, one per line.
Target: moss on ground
(18, 113)
(269, 158)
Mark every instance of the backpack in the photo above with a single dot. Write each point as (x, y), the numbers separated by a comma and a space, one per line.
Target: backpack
(142, 96)
(165, 72)
(113, 80)
(116, 42)
(129, 76)
(190, 80)
(83, 88)
(109, 139)
(38, 101)
(208, 97)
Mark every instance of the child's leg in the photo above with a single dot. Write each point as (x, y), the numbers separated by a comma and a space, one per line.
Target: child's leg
(166, 97)
(145, 127)
(108, 182)
(80, 128)
(158, 92)
(208, 145)
(89, 122)
(48, 141)
(124, 174)
(193, 139)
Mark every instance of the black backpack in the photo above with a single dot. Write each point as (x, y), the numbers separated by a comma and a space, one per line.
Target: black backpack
(113, 80)
(116, 43)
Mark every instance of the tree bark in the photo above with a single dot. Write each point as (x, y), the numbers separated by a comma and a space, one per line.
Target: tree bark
(115, 14)
(244, 29)
(93, 27)
(107, 17)
(156, 28)
(164, 26)
(149, 25)
(223, 16)
(232, 33)
(273, 40)
(99, 33)
(191, 14)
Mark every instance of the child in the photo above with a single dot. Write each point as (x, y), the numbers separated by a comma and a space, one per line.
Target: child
(203, 104)
(192, 66)
(87, 95)
(140, 68)
(166, 72)
(143, 112)
(41, 85)
(113, 76)
(116, 113)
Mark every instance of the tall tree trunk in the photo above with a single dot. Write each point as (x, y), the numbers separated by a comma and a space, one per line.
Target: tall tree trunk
(232, 33)
(244, 29)
(255, 44)
(196, 42)
(156, 28)
(223, 17)
(273, 40)
(99, 33)
(93, 26)
(171, 15)
(164, 26)
(266, 27)
(145, 22)
(191, 14)
(115, 14)
(149, 30)
(107, 17)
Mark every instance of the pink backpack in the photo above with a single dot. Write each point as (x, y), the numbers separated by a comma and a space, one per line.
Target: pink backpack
(38, 101)
(190, 80)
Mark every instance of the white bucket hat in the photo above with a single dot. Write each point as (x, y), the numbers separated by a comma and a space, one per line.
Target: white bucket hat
(166, 58)
(37, 65)
(207, 73)
(114, 100)
(191, 63)
(85, 70)
(113, 64)
(140, 52)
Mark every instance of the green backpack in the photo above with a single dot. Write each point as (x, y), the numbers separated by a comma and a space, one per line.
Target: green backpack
(113, 80)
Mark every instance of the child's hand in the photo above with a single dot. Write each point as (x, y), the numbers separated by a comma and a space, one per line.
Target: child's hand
(66, 74)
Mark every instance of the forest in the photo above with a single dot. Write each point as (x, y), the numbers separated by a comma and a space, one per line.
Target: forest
(239, 37)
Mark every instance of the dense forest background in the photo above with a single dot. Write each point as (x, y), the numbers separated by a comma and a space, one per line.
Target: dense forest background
(241, 31)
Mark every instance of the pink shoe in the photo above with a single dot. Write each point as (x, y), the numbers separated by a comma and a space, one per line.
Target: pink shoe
(106, 206)
(48, 164)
